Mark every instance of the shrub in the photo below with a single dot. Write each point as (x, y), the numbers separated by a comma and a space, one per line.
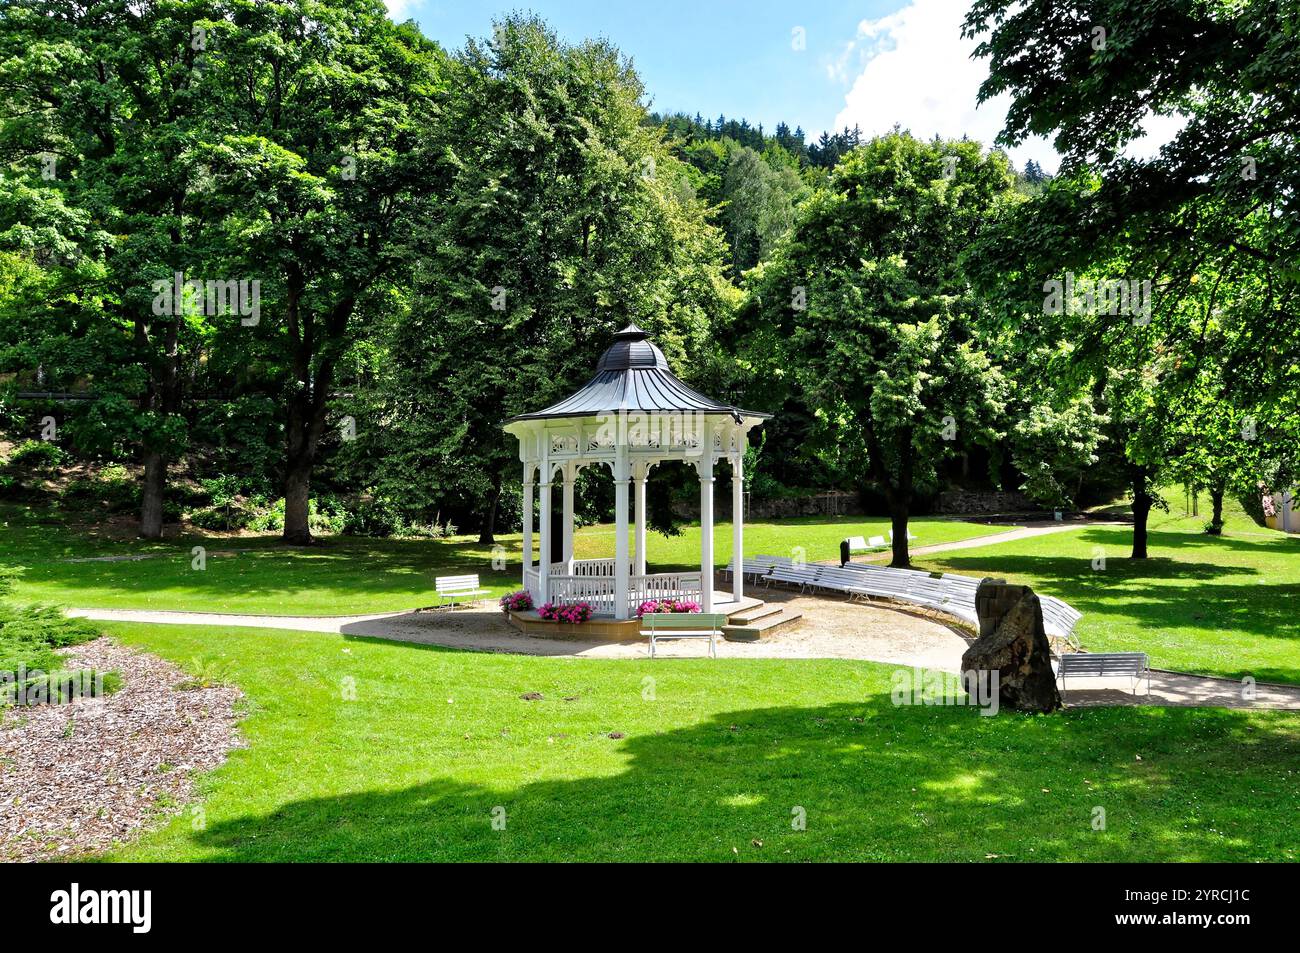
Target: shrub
(667, 605)
(578, 612)
(37, 454)
(519, 601)
(220, 518)
(31, 671)
(374, 516)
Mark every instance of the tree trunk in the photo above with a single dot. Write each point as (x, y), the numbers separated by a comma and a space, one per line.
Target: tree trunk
(898, 521)
(1142, 501)
(486, 535)
(162, 395)
(297, 496)
(151, 507)
(309, 402)
(1216, 519)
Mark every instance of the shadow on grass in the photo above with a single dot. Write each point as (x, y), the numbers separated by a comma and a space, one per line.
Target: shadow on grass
(351, 571)
(874, 781)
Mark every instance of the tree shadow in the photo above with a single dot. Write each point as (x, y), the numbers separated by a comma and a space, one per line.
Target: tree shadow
(873, 782)
(359, 575)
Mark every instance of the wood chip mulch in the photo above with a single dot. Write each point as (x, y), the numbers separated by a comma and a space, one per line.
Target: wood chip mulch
(81, 778)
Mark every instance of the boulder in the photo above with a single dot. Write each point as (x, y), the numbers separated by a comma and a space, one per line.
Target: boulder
(1013, 643)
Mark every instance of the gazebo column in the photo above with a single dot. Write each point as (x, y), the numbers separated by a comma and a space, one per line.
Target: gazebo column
(639, 474)
(544, 562)
(705, 466)
(570, 475)
(528, 521)
(737, 528)
(621, 557)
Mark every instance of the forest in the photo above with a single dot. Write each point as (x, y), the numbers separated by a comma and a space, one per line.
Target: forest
(288, 267)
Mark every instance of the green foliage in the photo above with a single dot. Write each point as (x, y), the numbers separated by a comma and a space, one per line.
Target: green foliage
(37, 455)
(29, 636)
(564, 218)
(868, 307)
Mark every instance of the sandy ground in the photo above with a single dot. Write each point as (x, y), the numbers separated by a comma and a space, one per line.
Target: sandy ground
(831, 628)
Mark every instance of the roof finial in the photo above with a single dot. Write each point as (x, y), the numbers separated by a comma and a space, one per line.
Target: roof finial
(631, 333)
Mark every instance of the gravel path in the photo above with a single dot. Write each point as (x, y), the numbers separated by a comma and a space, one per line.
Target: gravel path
(831, 628)
(1043, 528)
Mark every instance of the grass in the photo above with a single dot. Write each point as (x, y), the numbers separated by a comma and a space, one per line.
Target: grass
(348, 575)
(1227, 606)
(718, 759)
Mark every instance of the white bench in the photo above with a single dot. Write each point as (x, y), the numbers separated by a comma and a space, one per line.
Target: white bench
(1131, 665)
(683, 625)
(948, 593)
(857, 544)
(453, 590)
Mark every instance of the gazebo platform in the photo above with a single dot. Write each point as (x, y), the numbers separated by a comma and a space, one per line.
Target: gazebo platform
(747, 619)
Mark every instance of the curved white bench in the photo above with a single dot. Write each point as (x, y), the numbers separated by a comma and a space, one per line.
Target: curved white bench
(949, 593)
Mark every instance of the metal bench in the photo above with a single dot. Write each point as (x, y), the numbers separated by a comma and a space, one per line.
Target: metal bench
(1131, 665)
(683, 625)
(454, 590)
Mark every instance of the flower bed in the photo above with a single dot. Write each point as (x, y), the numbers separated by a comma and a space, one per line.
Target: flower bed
(519, 601)
(667, 605)
(578, 612)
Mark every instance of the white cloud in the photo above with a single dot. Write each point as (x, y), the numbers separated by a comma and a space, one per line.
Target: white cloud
(914, 68)
(400, 9)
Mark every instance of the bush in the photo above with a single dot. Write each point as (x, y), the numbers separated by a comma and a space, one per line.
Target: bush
(37, 455)
(323, 516)
(31, 671)
(375, 516)
(112, 486)
(224, 518)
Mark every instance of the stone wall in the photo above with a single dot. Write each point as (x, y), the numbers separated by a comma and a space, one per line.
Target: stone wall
(971, 501)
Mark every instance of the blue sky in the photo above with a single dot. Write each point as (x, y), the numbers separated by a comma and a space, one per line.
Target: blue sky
(821, 64)
(737, 57)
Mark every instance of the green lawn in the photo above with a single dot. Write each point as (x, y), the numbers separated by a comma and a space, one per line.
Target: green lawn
(1228, 606)
(348, 575)
(717, 760)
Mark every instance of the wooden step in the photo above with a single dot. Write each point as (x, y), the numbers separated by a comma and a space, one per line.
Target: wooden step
(760, 627)
(754, 613)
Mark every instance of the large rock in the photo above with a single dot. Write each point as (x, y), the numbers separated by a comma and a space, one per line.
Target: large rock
(1012, 643)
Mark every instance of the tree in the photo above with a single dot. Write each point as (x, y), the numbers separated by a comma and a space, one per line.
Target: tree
(104, 116)
(760, 203)
(563, 218)
(870, 294)
(323, 183)
(1220, 196)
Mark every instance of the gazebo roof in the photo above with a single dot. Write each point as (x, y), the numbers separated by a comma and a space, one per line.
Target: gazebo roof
(633, 377)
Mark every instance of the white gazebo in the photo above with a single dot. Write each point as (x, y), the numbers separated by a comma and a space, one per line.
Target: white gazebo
(632, 415)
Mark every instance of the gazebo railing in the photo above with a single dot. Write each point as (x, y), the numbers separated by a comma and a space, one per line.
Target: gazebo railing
(591, 567)
(599, 590)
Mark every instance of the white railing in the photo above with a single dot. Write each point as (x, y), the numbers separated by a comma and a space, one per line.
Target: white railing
(532, 582)
(662, 585)
(593, 589)
(592, 567)
(599, 590)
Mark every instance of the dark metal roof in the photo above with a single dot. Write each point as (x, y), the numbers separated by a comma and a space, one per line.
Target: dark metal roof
(633, 376)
